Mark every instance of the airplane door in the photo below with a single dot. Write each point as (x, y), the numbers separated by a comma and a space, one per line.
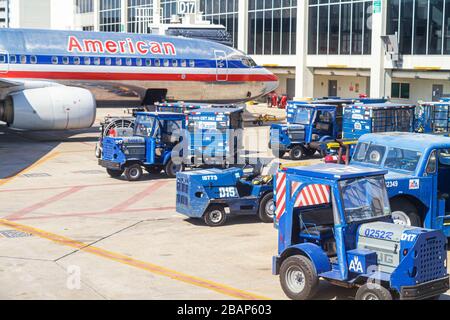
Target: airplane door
(4, 62)
(221, 65)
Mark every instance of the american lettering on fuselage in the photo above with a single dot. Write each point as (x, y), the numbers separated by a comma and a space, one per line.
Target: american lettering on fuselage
(122, 47)
(47, 77)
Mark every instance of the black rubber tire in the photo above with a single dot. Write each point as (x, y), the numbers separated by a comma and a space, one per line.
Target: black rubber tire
(114, 173)
(304, 265)
(170, 170)
(297, 153)
(405, 206)
(154, 170)
(263, 215)
(133, 172)
(211, 220)
(373, 291)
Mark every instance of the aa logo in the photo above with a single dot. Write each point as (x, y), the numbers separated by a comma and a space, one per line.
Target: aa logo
(356, 266)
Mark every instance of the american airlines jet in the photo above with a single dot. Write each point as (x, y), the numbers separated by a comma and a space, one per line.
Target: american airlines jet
(44, 74)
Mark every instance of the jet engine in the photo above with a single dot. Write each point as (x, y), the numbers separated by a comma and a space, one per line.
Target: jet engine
(50, 108)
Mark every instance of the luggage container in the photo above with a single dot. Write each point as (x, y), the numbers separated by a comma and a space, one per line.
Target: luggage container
(360, 119)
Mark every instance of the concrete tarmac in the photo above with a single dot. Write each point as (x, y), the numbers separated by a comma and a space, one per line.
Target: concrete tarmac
(69, 231)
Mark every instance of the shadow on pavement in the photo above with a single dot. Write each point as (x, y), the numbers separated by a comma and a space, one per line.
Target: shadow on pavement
(21, 149)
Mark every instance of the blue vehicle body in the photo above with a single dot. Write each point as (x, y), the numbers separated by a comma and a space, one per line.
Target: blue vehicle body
(433, 117)
(214, 135)
(307, 124)
(155, 136)
(231, 190)
(303, 136)
(418, 175)
(339, 102)
(360, 119)
(338, 218)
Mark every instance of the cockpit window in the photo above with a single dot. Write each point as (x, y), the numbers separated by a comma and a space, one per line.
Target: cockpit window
(249, 62)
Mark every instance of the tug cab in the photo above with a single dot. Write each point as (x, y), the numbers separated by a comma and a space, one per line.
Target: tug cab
(334, 222)
(155, 136)
(308, 124)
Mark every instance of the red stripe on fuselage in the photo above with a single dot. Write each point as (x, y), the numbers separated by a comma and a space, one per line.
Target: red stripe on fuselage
(138, 76)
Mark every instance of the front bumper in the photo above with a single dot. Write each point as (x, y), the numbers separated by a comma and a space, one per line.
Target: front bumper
(109, 164)
(425, 290)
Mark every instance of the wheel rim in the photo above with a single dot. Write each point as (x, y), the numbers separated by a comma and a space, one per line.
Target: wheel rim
(401, 218)
(298, 153)
(295, 279)
(270, 209)
(370, 296)
(216, 216)
(134, 172)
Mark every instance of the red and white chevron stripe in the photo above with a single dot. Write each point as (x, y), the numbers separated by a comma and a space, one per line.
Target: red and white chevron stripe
(311, 195)
(280, 194)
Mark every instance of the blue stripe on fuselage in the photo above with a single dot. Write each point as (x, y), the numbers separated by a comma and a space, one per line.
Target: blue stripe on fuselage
(126, 62)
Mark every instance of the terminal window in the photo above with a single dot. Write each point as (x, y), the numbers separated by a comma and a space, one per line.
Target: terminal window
(400, 90)
(422, 26)
(340, 27)
(110, 15)
(223, 12)
(272, 27)
(84, 6)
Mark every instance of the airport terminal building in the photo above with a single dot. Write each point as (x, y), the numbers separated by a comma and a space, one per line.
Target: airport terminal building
(316, 47)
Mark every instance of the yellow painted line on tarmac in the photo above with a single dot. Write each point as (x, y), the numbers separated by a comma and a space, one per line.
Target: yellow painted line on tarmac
(150, 267)
(29, 168)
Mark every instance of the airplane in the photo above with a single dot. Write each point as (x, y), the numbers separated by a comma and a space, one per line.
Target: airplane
(46, 75)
